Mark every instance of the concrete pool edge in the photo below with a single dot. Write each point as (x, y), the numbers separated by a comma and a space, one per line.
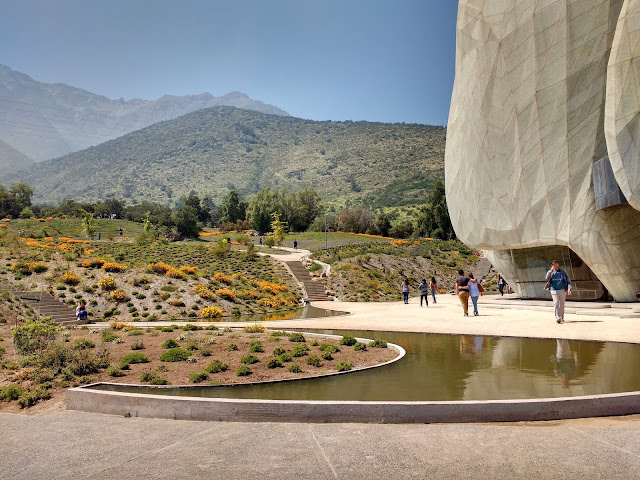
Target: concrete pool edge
(233, 410)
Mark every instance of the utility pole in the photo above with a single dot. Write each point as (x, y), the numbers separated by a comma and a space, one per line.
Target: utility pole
(325, 231)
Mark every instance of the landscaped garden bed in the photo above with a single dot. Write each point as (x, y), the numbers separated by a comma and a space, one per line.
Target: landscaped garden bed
(38, 372)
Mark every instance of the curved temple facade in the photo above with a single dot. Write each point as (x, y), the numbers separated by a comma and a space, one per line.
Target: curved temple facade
(543, 141)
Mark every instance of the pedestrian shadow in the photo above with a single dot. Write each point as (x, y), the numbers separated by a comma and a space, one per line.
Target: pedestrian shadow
(583, 321)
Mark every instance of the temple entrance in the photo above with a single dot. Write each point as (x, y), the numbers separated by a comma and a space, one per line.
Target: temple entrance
(531, 265)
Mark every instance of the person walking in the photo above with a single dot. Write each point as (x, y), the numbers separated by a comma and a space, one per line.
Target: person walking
(295, 244)
(462, 290)
(501, 283)
(475, 291)
(405, 290)
(424, 292)
(560, 286)
(433, 285)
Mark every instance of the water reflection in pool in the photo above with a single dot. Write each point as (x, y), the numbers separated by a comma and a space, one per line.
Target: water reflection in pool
(460, 367)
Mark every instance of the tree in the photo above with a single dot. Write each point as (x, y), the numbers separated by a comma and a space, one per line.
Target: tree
(261, 208)
(433, 219)
(146, 223)
(186, 222)
(89, 224)
(278, 229)
(26, 212)
(383, 225)
(23, 194)
(302, 208)
(356, 220)
(232, 209)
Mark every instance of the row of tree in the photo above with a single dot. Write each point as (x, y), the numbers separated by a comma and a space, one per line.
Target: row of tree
(298, 211)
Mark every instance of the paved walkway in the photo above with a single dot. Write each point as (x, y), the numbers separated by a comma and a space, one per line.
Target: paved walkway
(83, 445)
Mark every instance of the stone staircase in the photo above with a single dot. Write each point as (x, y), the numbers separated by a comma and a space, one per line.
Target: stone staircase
(314, 290)
(50, 306)
(482, 269)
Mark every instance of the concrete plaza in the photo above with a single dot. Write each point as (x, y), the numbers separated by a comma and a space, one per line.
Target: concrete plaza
(84, 445)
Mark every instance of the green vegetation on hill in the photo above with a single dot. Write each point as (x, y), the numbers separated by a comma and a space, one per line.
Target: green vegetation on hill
(375, 271)
(214, 150)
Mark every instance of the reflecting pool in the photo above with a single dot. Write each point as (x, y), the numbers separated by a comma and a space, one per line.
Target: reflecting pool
(457, 367)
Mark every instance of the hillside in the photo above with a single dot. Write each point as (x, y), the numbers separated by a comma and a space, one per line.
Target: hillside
(221, 148)
(12, 160)
(44, 121)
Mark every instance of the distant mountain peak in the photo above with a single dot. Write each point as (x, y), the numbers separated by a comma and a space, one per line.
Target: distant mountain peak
(48, 120)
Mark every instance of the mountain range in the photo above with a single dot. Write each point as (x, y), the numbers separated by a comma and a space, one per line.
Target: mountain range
(212, 150)
(40, 121)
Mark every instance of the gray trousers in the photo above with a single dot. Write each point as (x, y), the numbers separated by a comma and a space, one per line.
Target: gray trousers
(559, 297)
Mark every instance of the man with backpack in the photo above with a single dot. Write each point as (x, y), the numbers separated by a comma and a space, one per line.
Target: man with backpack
(560, 286)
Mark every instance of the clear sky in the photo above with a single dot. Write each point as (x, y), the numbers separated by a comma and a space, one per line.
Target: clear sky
(376, 60)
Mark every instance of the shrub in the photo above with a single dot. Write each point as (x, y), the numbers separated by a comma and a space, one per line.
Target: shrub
(170, 343)
(158, 380)
(296, 337)
(113, 267)
(205, 352)
(285, 357)
(176, 302)
(110, 337)
(313, 343)
(359, 346)
(294, 368)
(348, 340)
(232, 347)
(255, 347)
(226, 294)
(216, 366)
(249, 359)
(190, 327)
(70, 278)
(327, 356)
(221, 277)
(300, 350)
(10, 393)
(107, 283)
(93, 263)
(344, 366)
(30, 397)
(82, 344)
(33, 336)
(255, 328)
(119, 295)
(210, 312)
(175, 355)
(274, 362)
(279, 333)
(191, 346)
(203, 292)
(328, 347)
(198, 377)
(115, 372)
(314, 361)
(377, 343)
(278, 351)
(243, 371)
(139, 345)
(136, 357)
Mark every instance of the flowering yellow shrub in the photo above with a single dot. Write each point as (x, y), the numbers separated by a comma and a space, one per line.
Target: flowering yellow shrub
(48, 239)
(27, 267)
(121, 326)
(273, 288)
(88, 251)
(119, 295)
(365, 235)
(276, 302)
(93, 263)
(72, 240)
(255, 328)
(158, 267)
(49, 218)
(247, 294)
(30, 242)
(113, 267)
(399, 243)
(175, 273)
(38, 267)
(70, 278)
(107, 283)
(210, 312)
(41, 220)
(226, 294)
(65, 247)
(221, 277)
(176, 302)
(239, 276)
(203, 292)
(188, 269)
(3, 225)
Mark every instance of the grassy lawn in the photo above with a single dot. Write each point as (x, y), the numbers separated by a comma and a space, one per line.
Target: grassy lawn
(72, 227)
(314, 241)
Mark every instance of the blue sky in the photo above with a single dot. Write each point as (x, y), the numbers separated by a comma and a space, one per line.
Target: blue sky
(376, 60)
